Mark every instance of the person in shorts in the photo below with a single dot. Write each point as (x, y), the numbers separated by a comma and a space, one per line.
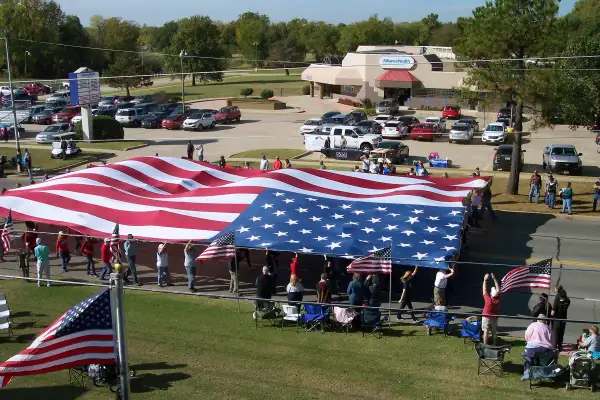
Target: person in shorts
(489, 323)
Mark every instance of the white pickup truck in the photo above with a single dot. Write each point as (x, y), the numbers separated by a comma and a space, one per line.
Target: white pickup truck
(355, 139)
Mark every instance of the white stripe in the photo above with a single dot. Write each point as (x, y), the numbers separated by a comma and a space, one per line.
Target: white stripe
(32, 357)
(39, 210)
(55, 363)
(195, 167)
(407, 180)
(42, 341)
(130, 207)
(159, 175)
(107, 172)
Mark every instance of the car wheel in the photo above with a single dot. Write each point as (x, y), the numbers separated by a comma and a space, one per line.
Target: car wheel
(212, 126)
(200, 127)
(366, 147)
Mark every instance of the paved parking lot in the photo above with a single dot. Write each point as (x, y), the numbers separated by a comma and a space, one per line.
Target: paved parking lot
(280, 129)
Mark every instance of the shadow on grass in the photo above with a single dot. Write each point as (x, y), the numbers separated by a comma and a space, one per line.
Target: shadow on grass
(151, 382)
(49, 392)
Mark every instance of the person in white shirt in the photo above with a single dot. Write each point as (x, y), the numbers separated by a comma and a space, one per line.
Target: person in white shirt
(373, 168)
(366, 164)
(162, 264)
(439, 286)
(475, 203)
(295, 290)
(264, 163)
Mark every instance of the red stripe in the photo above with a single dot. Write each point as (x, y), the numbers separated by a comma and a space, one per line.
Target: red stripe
(60, 356)
(60, 367)
(64, 343)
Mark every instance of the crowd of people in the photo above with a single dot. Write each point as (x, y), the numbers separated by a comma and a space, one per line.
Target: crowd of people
(552, 194)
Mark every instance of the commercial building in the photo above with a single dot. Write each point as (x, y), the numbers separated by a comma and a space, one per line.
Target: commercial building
(416, 76)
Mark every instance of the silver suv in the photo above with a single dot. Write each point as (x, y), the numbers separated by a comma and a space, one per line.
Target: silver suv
(387, 106)
(131, 116)
(562, 158)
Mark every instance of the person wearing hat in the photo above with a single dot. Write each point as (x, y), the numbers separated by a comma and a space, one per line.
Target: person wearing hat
(62, 250)
(491, 308)
(42, 253)
(105, 257)
(162, 264)
(87, 248)
(405, 296)
(543, 307)
(538, 337)
(130, 247)
(535, 183)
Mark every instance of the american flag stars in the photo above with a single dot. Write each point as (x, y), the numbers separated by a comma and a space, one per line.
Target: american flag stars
(323, 225)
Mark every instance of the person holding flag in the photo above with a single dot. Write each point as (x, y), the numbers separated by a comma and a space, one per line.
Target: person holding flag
(62, 250)
(7, 235)
(489, 323)
(42, 253)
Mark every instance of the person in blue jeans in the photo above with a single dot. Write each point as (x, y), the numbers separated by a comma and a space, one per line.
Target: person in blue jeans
(567, 195)
(596, 194)
(535, 185)
(486, 202)
(162, 264)
(551, 191)
(130, 247)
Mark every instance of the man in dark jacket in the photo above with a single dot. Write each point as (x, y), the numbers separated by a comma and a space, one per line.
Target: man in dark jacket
(543, 307)
(263, 286)
(561, 305)
(190, 150)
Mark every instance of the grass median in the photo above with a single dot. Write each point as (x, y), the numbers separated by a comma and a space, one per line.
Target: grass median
(269, 153)
(182, 346)
(41, 158)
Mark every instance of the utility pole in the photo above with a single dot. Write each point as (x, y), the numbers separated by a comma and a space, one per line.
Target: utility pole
(256, 57)
(27, 53)
(12, 96)
(181, 55)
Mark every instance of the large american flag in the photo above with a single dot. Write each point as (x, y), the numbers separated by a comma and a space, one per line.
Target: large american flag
(528, 277)
(81, 336)
(379, 262)
(7, 232)
(173, 199)
(223, 247)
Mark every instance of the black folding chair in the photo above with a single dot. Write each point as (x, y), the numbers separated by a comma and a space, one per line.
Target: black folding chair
(490, 358)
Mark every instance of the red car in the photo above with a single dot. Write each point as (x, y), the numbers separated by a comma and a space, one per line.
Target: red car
(424, 131)
(451, 112)
(173, 121)
(38, 88)
(228, 114)
(66, 114)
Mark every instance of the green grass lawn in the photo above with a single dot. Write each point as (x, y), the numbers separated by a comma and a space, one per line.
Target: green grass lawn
(270, 153)
(191, 347)
(281, 85)
(117, 145)
(41, 158)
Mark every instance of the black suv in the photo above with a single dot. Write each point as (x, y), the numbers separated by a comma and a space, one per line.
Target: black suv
(503, 157)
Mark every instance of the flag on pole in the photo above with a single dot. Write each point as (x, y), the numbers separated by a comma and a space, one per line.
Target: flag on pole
(378, 262)
(528, 277)
(7, 232)
(114, 244)
(81, 336)
(223, 247)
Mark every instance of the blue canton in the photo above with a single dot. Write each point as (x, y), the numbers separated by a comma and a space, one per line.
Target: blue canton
(286, 221)
(92, 313)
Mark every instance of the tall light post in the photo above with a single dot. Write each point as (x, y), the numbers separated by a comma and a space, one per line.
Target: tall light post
(256, 57)
(143, 50)
(181, 55)
(12, 95)
(27, 53)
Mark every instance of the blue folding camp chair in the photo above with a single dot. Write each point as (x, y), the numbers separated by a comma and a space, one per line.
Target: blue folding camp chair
(438, 322)
(371, 322)
(471, 330)
(315, 317)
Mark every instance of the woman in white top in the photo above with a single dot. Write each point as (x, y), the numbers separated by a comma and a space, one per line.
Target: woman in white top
(162, 264)
(295, 290)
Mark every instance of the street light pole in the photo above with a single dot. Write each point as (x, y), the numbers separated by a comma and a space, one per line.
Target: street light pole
(143, 50)
(27, 53)
(12, 95)
(181, 55)
(256, 57)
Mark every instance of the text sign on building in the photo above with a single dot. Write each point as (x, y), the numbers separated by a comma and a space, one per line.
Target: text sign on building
(348, 89)
(396, 62)
(85, 88)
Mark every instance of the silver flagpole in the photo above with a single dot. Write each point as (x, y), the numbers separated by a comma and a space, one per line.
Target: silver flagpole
(390, 289)
(119, 318)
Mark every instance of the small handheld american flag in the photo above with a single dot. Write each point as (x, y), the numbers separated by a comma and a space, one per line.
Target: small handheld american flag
(7, 232)
(223, 247)
(379, 262)
(81, 336)
(114, 243)
(528, 277)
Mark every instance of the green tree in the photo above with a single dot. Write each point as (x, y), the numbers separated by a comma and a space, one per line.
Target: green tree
(67, 59)
(373, 31)
(288, 44)
(428, 25)
(246, 92)
(508, 32)
(252, 36)
(126, 67)
(444, 35)
(407, 33)
(577, 83)
(321, 39)
(199, 37)
(163, 36)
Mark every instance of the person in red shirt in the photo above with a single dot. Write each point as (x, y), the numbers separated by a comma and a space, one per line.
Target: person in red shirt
(489, 324)
(62, 250)
(277, 164)
(87, 248)
(294, 270)
(106, 256)
(29, 240)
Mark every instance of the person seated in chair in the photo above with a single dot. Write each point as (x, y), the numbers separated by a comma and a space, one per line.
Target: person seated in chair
(295, 290)
(538, 337)
(591, 341)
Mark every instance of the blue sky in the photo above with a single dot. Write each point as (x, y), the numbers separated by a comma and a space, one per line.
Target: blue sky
(157, 12)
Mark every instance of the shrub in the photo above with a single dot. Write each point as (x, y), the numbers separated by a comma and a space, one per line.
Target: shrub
(246, 92)
(349, 102)
(160, 97)
(266, 94)
(104, 127)
(306, 89)
(367, 103)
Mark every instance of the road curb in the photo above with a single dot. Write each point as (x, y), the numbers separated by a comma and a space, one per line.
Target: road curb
(575, 217)
(140, 146)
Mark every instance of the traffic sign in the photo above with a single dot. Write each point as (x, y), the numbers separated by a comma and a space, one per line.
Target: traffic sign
(445, 101)
(427, 100)
(85, 88)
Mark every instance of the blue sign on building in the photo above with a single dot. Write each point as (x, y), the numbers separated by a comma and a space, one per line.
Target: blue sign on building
(427, 100)
(408, 100)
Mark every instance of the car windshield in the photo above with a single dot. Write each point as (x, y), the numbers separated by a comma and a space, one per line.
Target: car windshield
(52, 128)
(495, 128)
(195, 115)
(461, 128)
(505, 151)
(223, 111)
(312, 122)
(448, 108)
(67, 110)
(466, 120)
(432, 120)
(127, 113)
(384, 104)
(388, 145)
(563, 151)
